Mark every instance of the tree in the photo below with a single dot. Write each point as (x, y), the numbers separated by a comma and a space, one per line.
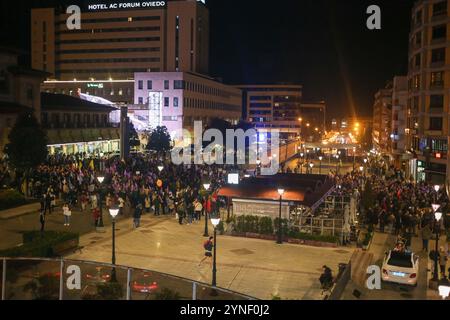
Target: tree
(160, 140)
(27, 147)
(134, 137)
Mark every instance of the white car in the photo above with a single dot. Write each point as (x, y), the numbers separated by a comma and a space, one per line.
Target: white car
(401, 267)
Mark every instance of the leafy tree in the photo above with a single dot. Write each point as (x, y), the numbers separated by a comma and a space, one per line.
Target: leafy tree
(27, 147)
(160, 140)
(45, 287)
(167, 294)
(134, 137)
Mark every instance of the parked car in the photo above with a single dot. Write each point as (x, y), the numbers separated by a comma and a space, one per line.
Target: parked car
(401, 267)
(100, 276)
(145, 284)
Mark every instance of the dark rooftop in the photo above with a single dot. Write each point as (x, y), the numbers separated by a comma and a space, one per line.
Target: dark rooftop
(52, 101)
(302, 189)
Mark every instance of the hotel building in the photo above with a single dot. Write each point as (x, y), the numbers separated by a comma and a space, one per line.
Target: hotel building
(428, 90)
(115, 42)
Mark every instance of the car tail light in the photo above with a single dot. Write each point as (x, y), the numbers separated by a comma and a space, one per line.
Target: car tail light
(385, 272)
(413, 276)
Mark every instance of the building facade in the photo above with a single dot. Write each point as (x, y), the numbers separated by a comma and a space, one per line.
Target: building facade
(428, 90)
(398, 121)
(19, 92)
(382, 120)
(74, 125)
(117, 40)
(273, 107)
(178, 99)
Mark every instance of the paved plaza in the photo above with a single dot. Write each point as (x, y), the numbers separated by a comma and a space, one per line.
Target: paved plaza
(258, 268)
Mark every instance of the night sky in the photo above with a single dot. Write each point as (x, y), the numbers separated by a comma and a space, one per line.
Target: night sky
(322, 44)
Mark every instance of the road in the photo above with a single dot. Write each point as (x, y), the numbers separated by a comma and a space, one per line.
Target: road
(391, 291)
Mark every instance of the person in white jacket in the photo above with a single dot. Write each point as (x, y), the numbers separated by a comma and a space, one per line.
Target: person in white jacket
(67, 214)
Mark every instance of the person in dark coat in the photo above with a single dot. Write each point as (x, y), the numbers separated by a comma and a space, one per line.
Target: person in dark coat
(137, 216)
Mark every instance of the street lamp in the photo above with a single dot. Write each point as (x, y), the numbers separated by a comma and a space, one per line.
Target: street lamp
(215, 222)
(312, 166)
(280, 235)
(354, 158)
(160, 168)
(100, 180)
(320, 164)
(206, 185)
(444, 291)
(437, 216)
(337, 164)
(113, 212)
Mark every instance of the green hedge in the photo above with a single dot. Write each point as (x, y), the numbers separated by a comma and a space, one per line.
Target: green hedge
(267, 226)
(313, 237)
(10, 198)
(53, 237)
(39, 245)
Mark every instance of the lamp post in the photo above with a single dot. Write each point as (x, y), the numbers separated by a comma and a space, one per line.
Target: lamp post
(312, 166)
(337, 164)
(100, 180)
(354, 158)
(437, 216)
(320, 164)
(113, 212)
(444, 290)
(301, 162)
(280, 232)
(437, 188)
(206, 185)
(215, 222)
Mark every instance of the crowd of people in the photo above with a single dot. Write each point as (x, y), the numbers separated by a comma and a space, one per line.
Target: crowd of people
(140, 184)
(391, 203)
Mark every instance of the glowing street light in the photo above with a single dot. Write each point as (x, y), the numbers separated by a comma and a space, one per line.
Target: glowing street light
(215, 222)
(444, 291)
(280, 236)
(160, 168)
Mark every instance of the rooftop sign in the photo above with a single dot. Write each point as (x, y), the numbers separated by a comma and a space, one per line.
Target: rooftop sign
(125, 5)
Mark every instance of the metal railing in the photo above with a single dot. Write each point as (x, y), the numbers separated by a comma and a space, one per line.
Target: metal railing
(319, 226)
(66, 279)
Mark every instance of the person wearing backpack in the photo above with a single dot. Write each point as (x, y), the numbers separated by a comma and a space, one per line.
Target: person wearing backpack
(208, 246)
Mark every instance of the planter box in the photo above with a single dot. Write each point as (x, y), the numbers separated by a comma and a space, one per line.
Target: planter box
(287, 240)
(63, 247)
(253, 235)
(268, 237)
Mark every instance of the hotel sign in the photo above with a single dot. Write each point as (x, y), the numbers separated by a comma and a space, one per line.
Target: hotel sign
(126, 5)
(95, 85)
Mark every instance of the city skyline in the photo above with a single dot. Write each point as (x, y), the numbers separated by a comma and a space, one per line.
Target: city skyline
(317, 45)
